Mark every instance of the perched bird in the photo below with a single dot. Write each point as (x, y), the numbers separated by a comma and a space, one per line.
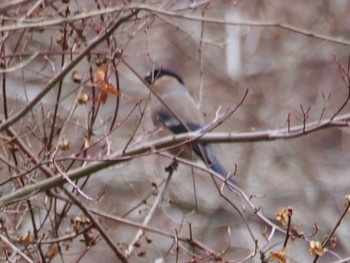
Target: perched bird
(180, 115)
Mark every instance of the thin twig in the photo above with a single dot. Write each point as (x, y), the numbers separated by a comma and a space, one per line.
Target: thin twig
(15, 249)
(43, 23)
(65, 70)
(169, 141)
(151, 212)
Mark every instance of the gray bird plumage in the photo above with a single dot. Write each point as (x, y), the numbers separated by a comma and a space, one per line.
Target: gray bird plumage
(183, 115)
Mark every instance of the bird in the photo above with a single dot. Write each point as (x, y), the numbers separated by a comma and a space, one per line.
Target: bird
(180, 115)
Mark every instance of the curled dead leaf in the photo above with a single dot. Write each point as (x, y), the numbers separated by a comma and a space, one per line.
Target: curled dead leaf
(316, 248)
(101, 82)
(280, 257)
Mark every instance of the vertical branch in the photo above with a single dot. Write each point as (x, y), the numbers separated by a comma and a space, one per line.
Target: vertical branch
(201, 63)
(170, 170)
(64, 46)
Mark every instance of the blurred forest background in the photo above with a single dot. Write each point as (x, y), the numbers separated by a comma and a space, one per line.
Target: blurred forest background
(77, 183)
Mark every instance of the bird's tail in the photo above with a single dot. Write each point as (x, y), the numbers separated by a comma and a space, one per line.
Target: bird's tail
(216, 166)
(220, 169)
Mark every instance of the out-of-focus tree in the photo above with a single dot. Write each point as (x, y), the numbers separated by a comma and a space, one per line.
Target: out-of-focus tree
(84, 175)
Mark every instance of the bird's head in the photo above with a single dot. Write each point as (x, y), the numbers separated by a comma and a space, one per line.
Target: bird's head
(157, 74)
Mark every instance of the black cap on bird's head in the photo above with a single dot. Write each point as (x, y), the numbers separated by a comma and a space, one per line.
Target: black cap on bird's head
(158, 73)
